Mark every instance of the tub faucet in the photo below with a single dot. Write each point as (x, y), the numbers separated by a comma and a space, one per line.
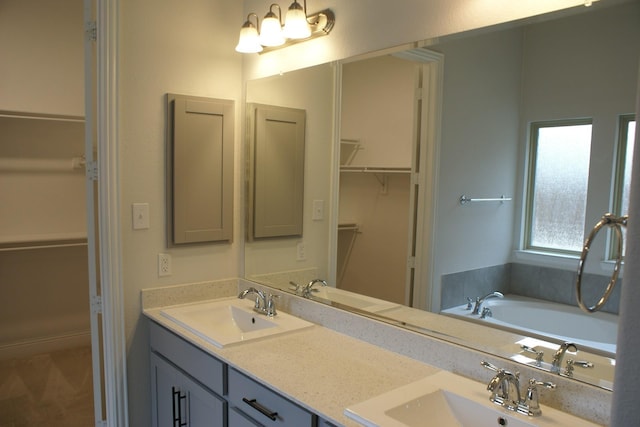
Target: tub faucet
(264, 301)
(559, 354)
(479, 301)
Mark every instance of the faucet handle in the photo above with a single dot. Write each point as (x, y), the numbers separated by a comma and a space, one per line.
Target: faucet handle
(490, 366)
(531, 404)
(539, 354)
(469, 303)
(270, 305)
(295, 287)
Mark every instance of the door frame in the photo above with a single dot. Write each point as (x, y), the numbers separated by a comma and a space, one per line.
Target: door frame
(108, 329)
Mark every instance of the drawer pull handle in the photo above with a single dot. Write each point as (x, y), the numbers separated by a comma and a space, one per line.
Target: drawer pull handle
(258, 407)
(178, 397)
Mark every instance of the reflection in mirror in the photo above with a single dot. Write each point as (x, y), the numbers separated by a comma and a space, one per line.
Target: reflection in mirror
(496, 83)
(274, 260)
(275, 171)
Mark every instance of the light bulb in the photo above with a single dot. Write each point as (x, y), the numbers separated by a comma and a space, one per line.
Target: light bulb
(271, 31)
(296, 25)
(248, 41)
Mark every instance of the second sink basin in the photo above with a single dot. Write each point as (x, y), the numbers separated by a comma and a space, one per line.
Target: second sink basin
(231, 321)
(447, 399)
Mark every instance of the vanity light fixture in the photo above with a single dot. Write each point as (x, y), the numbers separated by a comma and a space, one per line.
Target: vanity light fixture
(298, 27)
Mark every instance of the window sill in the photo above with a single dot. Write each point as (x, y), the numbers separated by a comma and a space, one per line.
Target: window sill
(547, 259)
(562, 261)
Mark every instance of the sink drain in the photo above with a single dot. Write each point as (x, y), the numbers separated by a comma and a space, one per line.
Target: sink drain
(502, 421)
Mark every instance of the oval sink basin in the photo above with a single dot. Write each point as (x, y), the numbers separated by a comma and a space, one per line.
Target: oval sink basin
(447, 399)
(231, 321)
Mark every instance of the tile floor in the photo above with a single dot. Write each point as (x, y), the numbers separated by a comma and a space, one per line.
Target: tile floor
(51, 389)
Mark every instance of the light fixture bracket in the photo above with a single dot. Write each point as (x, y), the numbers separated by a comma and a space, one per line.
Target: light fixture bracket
(321, 24)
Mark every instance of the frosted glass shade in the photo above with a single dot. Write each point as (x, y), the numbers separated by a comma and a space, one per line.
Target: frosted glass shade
(295, 24)
(248, 42)
(271, 32)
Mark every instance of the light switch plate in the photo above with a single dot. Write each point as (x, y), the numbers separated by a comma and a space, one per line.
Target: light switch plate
(140, 213)
(318, 210)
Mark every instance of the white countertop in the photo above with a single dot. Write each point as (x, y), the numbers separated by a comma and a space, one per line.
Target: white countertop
(317, 368)
(350, 359)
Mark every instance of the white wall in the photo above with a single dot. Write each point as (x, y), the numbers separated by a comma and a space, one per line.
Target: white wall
(168, 46)
(478, 153)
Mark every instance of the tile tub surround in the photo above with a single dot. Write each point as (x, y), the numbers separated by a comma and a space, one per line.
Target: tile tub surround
(571, 396)
(545, 283)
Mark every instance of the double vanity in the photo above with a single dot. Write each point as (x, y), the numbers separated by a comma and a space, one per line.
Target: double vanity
(220, 360)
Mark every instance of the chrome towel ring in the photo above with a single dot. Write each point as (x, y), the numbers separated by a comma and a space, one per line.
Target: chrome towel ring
(615, 222)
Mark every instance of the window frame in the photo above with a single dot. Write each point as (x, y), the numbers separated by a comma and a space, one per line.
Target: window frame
(534, 128)
(618, 177)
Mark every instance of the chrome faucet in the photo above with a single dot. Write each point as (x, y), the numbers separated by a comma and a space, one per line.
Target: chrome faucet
(264, 301)
(504, 387)
(559, 354)
(306, 291)
(479, 301)
(505, 391)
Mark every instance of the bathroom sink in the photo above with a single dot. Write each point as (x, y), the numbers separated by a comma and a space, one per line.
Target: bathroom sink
(445, 408)
(231, 321)
(447, 399)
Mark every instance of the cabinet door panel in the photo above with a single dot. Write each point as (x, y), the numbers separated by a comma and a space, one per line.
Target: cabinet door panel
(201, 165)
(178, 400)
(276, 171)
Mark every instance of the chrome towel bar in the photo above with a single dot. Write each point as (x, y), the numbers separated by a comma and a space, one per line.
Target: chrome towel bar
(465, 199)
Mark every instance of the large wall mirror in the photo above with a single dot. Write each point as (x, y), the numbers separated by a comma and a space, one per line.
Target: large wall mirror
(414, 132)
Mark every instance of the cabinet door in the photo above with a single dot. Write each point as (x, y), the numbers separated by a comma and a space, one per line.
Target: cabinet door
(178, 401)
(201, 163)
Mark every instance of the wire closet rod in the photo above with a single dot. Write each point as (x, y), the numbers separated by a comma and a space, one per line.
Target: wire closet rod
(465, 199)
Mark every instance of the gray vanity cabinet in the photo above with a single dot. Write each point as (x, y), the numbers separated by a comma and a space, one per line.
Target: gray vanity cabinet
(187, 384)
(192, 388)
(180, 401)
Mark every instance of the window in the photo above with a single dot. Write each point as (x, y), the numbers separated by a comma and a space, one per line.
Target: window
(557, 183)
(626, 142)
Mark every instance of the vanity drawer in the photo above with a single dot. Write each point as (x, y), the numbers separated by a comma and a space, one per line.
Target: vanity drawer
(207, 369)
(264, 405)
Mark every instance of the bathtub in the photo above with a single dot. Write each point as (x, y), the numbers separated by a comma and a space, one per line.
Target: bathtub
(541, 319)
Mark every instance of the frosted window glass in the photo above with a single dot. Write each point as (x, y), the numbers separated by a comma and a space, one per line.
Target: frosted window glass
(629, 143)
(628, 160)
(560, 187)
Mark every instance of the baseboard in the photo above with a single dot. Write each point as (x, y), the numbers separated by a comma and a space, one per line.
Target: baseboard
(44, 345)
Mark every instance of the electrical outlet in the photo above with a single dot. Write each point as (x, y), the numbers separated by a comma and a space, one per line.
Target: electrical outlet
(164, 265)
(300, 252)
